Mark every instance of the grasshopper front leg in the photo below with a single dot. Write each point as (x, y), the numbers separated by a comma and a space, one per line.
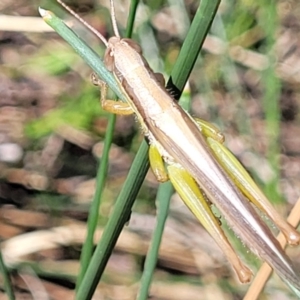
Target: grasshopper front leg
(112, 106)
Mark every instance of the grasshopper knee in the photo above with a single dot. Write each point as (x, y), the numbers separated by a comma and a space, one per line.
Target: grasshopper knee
(157, 164)
(210, 130)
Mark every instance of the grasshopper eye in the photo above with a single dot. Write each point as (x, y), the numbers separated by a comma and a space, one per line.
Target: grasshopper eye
(160, 78)
(133, 45)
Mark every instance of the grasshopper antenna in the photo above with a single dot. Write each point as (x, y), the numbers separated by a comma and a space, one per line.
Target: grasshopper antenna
(91, 28)
(113, 19)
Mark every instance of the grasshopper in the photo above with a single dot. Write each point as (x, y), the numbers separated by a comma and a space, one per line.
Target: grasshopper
(190, 153)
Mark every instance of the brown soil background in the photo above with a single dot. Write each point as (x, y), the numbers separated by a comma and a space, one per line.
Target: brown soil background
(47, 180)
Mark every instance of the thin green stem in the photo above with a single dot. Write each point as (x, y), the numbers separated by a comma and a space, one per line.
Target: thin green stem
(163, 199)
(131, 17)
(86, 53)
(271, 85)
(119, 217)
(87, 249)
(88, 246)
(164, 194)
(6, 279)
(192, 44)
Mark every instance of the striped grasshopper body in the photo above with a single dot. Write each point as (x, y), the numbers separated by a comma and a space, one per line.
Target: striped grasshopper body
(197, 163)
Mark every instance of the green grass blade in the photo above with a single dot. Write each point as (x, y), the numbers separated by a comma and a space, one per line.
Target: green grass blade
(131, 17)
(192, 44)
(6, 279)
(88, 246)
(88, 54)
(180, 73)
(119, 216)
(163, 197)
(92, 59)
(271, 85)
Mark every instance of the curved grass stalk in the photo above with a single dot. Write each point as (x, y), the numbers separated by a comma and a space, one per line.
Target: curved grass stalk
(163, 197)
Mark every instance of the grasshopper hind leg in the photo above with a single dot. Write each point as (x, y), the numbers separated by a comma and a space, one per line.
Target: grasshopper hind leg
(243, 181)
(209, 130)
(247, 186)
(157, 164)
(194, 199)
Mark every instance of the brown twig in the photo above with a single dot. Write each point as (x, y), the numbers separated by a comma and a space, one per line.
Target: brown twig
(21, 23)
(265, 271)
